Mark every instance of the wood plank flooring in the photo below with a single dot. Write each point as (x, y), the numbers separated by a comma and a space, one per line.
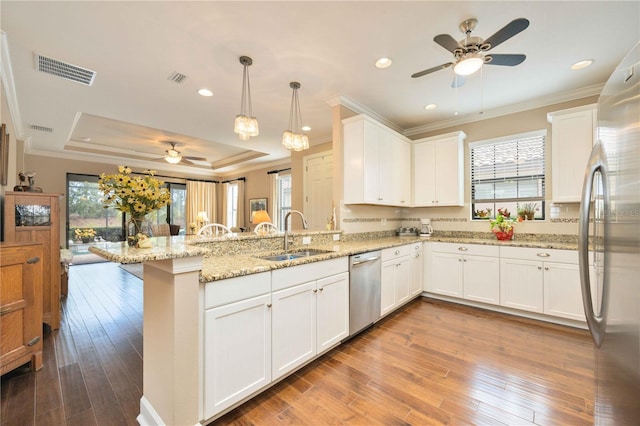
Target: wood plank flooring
(430, 363)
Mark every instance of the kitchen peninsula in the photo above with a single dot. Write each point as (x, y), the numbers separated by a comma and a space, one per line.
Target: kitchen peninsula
(186, 278)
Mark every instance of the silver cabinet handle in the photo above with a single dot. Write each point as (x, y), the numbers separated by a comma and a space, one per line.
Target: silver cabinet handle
(463, 249)
(597, 323)
(543, 255)
(397, 252)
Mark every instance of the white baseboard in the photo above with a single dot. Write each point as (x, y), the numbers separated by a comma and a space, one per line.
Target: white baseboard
(148, 415)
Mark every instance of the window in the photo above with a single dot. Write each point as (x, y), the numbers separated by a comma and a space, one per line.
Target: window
(282, 199)
(232, 205)
(508, 173)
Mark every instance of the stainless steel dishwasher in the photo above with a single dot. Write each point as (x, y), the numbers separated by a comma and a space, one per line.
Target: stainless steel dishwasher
(364, 290)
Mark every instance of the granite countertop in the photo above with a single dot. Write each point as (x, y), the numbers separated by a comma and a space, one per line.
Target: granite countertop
(229, 266)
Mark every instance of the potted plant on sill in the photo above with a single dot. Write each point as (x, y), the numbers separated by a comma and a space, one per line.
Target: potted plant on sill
(502, 225)
(527, 212)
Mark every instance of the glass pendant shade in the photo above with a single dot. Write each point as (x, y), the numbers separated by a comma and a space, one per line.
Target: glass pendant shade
(245, 125)
(295, 140)
(469, 64)
(172, 156)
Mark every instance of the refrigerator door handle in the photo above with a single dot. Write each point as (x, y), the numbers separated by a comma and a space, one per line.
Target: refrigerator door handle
(596, 323)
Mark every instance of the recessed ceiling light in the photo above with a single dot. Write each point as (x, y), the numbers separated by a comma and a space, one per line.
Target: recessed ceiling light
(383, 63)
(205, 92)
(306, 128)
(430, 106)
(581, 64)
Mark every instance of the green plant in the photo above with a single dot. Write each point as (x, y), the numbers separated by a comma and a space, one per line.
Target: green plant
(502, 222)
(528, 211)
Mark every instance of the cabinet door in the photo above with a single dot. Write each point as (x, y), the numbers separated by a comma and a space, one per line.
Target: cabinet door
(332, 310)
(572, 135)
(416, 271)
(482, 279)
(447, 274)
(237, 352)
(424, 188)
(387, 287)
(399, 171)
(402, 280)
(562, 292)
(372, 175)
(521, 284)
(449, 172)
(293, 327)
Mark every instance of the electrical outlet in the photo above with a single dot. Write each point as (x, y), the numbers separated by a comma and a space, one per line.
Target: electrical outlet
(383, 221)
(336, 237)
(306, 240)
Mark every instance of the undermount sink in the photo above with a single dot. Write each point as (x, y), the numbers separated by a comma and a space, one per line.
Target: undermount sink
(295, 255)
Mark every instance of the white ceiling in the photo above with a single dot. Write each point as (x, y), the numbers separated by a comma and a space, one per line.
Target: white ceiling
(132, 108)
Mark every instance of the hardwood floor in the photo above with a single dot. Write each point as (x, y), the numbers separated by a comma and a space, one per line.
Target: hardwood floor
(430, 363)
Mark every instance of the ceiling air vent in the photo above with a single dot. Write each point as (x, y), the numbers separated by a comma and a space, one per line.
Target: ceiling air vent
(41, 128)
(176, 77)
(65, 70)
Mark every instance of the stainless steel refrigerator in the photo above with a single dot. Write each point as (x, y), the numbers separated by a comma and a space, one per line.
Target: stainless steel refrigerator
(610, 246)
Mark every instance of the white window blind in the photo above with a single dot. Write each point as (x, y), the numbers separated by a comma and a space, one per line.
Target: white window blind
(508, 172)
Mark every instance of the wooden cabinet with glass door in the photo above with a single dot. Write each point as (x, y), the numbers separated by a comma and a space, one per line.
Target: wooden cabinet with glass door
(34, 217)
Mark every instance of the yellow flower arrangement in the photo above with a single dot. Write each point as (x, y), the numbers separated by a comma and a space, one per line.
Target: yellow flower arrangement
(134, 195)
(84, 233)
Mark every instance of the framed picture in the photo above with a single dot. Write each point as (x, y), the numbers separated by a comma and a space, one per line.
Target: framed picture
(4, 155)
(256, 204)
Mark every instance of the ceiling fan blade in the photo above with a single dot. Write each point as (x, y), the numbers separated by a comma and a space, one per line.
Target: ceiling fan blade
(506, 59)
(458, 80)
(508, 31)
(448, 42)
(184, 161)
(430, 70)
(188, 157)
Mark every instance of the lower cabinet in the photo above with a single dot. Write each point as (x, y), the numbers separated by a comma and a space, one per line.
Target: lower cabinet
(415, 270)
(395, 279)
(237, 342)
(543, 281)
(458, 270)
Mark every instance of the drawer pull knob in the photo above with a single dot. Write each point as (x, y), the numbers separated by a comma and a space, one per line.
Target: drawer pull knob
(463, 249)
(269, 305)
(539, 268)
(543, 255)
(315, 290)
(321, 288)
(33, 260)
(33, 341)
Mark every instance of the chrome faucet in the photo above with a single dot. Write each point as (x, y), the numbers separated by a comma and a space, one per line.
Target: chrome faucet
(286, 226)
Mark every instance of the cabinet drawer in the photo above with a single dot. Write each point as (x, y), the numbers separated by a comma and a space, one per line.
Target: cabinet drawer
(466, 249)
(395, 252)
(545, 255)
(218, 293)
(287, 277)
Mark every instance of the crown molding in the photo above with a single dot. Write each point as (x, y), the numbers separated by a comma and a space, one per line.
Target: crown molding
(556, 98)
(358, 108)
(8, 84)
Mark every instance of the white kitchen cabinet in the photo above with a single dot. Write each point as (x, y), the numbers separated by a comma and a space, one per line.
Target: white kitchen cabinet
(237, 352)
(376, 161)
(395, 286)
(438, 170)
(332, 310)
(416, 272)
(540, 280)
(293, 325)
(573, 132)
(466, 270)
(308, 317)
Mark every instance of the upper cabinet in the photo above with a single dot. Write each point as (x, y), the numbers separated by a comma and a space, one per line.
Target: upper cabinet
(573, 132)
(438, 170)
(375, 164)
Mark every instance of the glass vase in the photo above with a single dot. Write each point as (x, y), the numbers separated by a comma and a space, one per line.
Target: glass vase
(134, 228)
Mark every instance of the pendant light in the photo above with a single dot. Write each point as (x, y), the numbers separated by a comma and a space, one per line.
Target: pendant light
(293, 138)
(245, 125)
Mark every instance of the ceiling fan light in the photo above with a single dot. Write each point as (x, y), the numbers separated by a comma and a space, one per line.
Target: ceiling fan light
(469, 64)
(173, 156)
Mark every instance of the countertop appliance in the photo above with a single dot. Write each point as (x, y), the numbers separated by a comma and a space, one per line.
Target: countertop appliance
(611, 195)
(425, 228)
(365, 270)
(405, 232)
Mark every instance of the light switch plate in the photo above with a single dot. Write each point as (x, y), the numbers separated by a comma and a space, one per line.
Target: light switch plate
(336, 237)
(306, 240)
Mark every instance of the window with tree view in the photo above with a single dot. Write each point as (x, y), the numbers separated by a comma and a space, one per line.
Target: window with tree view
(509, 173)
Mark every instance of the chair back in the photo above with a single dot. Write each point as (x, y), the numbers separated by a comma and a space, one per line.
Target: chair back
(161, 230)
(214, 229)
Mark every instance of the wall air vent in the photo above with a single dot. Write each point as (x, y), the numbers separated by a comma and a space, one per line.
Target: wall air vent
(64, 70)
(41, 128)
(176, 77)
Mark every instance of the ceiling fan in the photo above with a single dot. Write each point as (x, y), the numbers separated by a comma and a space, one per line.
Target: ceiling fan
(470, 53)
(173, 156)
